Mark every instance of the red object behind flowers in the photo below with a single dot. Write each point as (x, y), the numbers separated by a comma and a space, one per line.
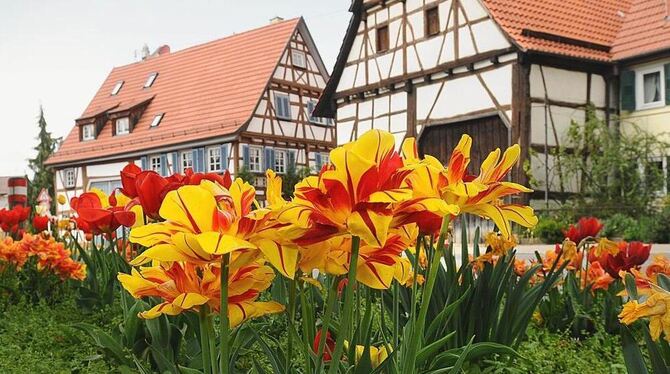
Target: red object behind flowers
(11, 220)
(40, 223)
(328, 348)
(631, 255)
(586, 227)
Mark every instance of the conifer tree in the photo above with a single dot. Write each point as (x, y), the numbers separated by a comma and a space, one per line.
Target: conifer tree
(43, 177)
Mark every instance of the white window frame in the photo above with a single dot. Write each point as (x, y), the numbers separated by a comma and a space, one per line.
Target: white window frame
(301, 57)
(278, 96)
(639, 87)
(90, 134)
(211, 162)
(122, 130)
(69, 178)
(157, 120)
(155, 163)
(117, 88)
(255, 161)
(150, 80)
(281, 163)
(186, 160)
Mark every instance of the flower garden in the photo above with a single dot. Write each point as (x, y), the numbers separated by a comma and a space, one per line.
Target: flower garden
(356, 272)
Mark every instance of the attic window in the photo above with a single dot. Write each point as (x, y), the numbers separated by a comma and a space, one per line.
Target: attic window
(382, 39)
(150, 80)
(157, 120)
(299, 59)
(117, 88)
(88, 132)
(122, 126)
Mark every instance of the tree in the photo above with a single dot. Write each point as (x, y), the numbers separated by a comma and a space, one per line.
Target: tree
(44, 177)
(612, 170)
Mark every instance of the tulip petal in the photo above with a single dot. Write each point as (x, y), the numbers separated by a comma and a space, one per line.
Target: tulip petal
(190, 206)
(240, 312)
(503, 214)
(218, 243)
(283, 258)
(375, 275)
(370, 226)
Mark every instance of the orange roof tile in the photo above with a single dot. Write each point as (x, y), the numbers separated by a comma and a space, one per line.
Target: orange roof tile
(205, 91)
(622, 28)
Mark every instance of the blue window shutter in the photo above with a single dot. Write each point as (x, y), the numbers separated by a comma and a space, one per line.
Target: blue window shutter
(224, 157)
(628, 90)
(144, 162)
(175, 162)
(245, 156)
(287, 104)
(310, 109)
(201, 160)
(269, 155)
(317, 160)
(666, 70)
(164, 164)
(291, 159)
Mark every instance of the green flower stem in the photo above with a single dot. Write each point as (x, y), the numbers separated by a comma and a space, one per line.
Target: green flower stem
(307, 324)
(330, 305)
(348, 307)
(291, 322)
(417, 330)
(204, 340)
(223, 312)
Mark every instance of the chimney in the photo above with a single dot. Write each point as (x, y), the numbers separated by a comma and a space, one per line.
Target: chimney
(279, 19)
(162, 50)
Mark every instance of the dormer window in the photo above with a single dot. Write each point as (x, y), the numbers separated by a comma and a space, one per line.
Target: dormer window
(117, 88)
(157, 120)
(150, 80)
(299, 59)
(88, 132)
(122, 126)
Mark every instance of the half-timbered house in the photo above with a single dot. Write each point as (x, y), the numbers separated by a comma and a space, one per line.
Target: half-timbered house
(244, 101)
(503, 71)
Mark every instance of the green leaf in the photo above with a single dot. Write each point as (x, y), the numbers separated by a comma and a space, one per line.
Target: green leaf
(106, 342)
(631, 352)
(663, 281)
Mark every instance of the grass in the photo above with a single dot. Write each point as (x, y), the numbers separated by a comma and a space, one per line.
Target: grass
(37, 338)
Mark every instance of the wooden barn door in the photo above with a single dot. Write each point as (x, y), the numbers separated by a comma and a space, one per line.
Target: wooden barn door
(488, 133)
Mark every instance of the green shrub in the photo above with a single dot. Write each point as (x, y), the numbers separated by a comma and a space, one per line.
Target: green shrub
(661, 229)
(550, 230)
(617, 224)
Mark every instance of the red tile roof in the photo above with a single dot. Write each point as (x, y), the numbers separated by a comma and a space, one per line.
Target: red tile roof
(205, 91)
(604, 30)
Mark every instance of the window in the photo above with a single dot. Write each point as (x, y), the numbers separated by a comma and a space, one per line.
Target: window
(186, 160)
(155, 164)
(150, 80)
(650, 92)
(214, 159)
(311, 105)
(432, 21)
(283, 105)
(117, 88)
(69, 178)
(382, 39)
(299, 59)
(122, 126)
(106, 186)
(88, 132)
(280, 161)
(325, 158)
(157, 120)
(255, 159)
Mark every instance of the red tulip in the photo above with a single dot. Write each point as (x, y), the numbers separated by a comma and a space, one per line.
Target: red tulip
(151, 190)
(100, 220)
(328, 348)
(128, 175)
(40, 223)
(631, 255)
(586, 227)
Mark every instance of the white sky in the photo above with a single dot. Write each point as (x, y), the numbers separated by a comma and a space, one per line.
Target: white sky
(58, 53)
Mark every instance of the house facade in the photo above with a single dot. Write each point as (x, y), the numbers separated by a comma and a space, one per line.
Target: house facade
(241, 102)
(503, 71)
